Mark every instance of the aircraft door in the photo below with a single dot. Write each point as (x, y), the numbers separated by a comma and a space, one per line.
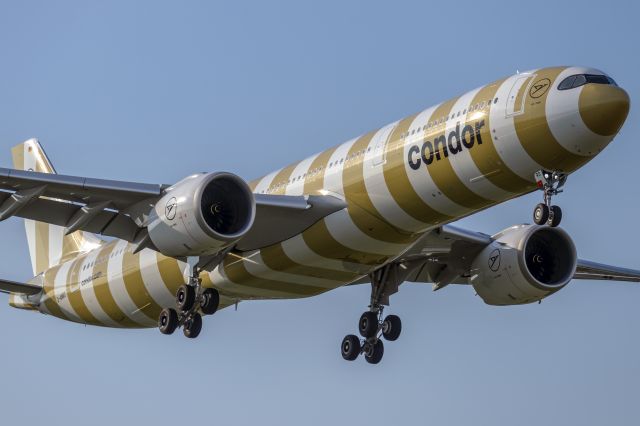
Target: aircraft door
(380, 144)
(515, 101)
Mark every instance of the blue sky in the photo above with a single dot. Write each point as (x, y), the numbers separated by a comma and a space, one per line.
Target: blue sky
(151, 91)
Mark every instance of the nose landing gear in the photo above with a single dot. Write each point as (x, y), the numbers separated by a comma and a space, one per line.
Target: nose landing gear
(550, 182)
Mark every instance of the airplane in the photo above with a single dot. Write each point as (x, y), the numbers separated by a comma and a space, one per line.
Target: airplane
(376, 209)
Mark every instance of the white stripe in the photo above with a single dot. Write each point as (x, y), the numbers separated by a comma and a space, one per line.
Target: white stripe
(265, 182)
(87, 291)
(30, 228)
(297, 250)
(563, 115)
(421, 179)
(119, 291)
(153, 280)
(505, 139)
(60, 292)
(345, 232)
(296, 187)
(340, 224)
(376, 186)
(255, 266)
(56, 233)
(462, 162)
(224, 284)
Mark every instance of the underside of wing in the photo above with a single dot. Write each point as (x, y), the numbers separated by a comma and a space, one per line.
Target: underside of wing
(588, 270)
(121, 209)
(13, 287)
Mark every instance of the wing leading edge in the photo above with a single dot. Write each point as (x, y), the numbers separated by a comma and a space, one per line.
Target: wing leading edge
(119, 209)
(444, 255)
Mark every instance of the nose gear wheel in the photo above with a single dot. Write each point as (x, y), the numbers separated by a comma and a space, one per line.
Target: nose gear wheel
(550, 183)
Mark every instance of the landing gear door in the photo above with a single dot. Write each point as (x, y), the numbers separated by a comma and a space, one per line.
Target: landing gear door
(515, 101)
(380, 144)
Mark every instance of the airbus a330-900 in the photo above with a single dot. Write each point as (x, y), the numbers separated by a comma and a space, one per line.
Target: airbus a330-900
(376, 209)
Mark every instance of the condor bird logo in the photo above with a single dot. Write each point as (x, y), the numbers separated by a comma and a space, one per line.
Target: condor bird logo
(494, 260)
(539, 88)
(170, 208)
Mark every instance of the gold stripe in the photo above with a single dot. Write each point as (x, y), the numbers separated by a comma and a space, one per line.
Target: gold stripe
(313, 183)
(319, 239)
(535, 135)
(274, 257)
(49, 297)
(441, 170)
(74, 293)
(521, 93)
(485, 155)
(282, 179)
(170, 272)
(237, 273)
(103, 292)
(134, 284)
(397, 180)
(42, 246)
(17, 153)
(362, 211)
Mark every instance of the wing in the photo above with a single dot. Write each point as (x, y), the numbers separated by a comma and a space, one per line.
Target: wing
(13, 287)
(119, 209)
(597, 271)
(444, 256)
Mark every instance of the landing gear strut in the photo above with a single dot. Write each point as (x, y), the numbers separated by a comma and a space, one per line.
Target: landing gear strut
(191, 299)
(372, 326)
(550, 182)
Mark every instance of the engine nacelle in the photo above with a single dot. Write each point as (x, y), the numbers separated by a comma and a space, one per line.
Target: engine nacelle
(202, 214)
(525, 264)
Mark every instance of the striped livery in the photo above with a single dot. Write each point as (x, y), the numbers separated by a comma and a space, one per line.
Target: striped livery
(400, 181)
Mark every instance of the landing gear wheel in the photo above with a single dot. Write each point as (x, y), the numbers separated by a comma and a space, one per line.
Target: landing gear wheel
(185, 297)
(209, 301)
(168, 321)
(556, 216)
(391, 327)
(368, 325)
(374, 353)
(350, 347)
(192, 326)
(541, 214)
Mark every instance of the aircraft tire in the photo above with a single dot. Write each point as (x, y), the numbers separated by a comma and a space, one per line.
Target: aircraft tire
(350, 347)
(391, 327)
(368, 324)
(210, 300)
(541, 214)
(185, 297)
(375, 353)
(556, 216)
(192, 326)
(168, 321)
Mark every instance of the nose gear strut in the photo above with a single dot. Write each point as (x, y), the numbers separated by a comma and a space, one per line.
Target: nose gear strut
(550, 182)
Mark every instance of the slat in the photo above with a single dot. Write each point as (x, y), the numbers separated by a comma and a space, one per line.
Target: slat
(80, 189)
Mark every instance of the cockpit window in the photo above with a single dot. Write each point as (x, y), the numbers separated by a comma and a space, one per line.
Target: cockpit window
(578, 80)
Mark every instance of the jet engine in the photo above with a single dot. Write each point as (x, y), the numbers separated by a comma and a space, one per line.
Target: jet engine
(524, 264)
(201, 215)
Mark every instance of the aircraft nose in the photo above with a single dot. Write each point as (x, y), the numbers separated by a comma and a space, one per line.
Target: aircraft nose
(603, 108)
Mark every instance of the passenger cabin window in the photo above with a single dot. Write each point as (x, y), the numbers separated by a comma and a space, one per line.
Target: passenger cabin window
(578, 80)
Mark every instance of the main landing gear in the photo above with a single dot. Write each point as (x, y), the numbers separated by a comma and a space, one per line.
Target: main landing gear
(550, 183)
(372, 326)
(191, 299)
